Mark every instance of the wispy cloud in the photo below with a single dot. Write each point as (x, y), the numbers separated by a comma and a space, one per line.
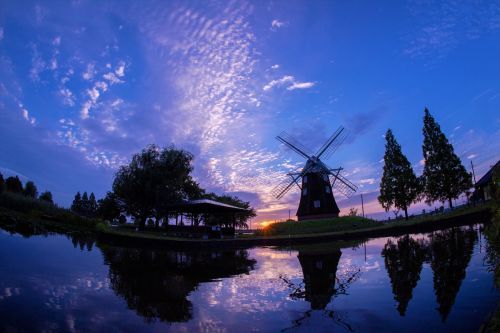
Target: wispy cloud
(289, 82)
(276, 24)
(441, 27)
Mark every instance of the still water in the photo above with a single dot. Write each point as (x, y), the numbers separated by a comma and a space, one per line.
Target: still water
(436, 282)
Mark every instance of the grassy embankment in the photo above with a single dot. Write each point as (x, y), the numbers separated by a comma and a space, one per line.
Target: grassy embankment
(15, 208)
(344, 227)
(357, 223)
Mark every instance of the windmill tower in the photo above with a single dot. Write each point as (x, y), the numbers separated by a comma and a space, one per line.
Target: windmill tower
(316, 180)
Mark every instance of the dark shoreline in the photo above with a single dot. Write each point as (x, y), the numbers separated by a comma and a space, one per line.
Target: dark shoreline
(127, 239)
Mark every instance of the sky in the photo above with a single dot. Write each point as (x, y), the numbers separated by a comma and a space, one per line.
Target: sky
(86, 84)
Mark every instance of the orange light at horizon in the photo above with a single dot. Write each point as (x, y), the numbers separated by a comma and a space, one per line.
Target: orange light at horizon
(265, 224)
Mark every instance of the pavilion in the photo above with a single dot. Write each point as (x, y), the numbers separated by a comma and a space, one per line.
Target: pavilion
(216, 216)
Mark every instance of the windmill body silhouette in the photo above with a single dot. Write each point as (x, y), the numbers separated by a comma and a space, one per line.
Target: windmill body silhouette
(316, 180)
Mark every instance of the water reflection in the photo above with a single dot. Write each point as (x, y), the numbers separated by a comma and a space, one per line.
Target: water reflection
(386, 286)
(448, 252)
(404, 260)
(156, 283)
(321, 282)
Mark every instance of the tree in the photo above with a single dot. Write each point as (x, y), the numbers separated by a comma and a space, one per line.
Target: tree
(109, 208)
(14, 185)
(445, 178)
(399, 186)
(46, 196)
(154, 179)
(30, 190)
(92, 206)
(85, 204)
(2, 183)
(76, 206)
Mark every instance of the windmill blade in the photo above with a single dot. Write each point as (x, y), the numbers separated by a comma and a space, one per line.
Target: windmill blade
(286, 184)
(335, 145)
(342, 184)
(329, 141)
(282, 188)
(293, 144)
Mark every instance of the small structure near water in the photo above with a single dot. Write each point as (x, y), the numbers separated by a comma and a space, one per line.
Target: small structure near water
(218, 219)
(483, 187)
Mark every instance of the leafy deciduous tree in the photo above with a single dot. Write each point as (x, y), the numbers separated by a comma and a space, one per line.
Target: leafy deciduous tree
(154, 179)
(109, 208)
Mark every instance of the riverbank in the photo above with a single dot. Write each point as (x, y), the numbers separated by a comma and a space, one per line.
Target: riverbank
(285, 233)
(479, 214)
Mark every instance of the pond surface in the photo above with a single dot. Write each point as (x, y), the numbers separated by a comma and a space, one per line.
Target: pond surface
(437, 282)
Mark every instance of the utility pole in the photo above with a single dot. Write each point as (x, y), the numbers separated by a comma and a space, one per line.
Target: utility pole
(362, 205)
(289, 214)
(473, 173)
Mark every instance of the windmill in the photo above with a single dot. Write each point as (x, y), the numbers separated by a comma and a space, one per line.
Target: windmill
(316, 180)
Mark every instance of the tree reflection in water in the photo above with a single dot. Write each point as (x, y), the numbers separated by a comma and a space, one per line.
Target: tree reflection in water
(321, 284)
(404, 260)
(156, 283)
(448, 252)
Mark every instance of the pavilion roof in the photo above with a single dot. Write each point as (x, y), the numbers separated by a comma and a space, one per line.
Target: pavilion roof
(205, 206)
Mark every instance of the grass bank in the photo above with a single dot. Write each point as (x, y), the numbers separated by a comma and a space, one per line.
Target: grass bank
(353, 223)
(15, 208)
(316, 231)
(316, 227)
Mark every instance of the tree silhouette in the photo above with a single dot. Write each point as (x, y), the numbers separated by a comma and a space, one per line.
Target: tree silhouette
(92, 206)
(108, 208)
(2, 183)
(14, 185)
(84, 204)
(403, 262)
(445, 178)
(154, 179)
(30, 190)
(76, 206)
(399, 186)
(46, 196)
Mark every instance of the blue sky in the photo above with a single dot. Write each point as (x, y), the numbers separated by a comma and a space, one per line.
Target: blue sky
(85, 84)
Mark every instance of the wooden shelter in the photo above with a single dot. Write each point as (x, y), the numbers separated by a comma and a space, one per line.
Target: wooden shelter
(214, 215)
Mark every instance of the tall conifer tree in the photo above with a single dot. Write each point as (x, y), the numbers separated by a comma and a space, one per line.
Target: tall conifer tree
(76, 206)
(399, 186)
(85, 204)
(445, 178)
(92, 208)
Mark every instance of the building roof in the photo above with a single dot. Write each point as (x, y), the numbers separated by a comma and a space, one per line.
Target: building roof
(206, 206)
(487, 176)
